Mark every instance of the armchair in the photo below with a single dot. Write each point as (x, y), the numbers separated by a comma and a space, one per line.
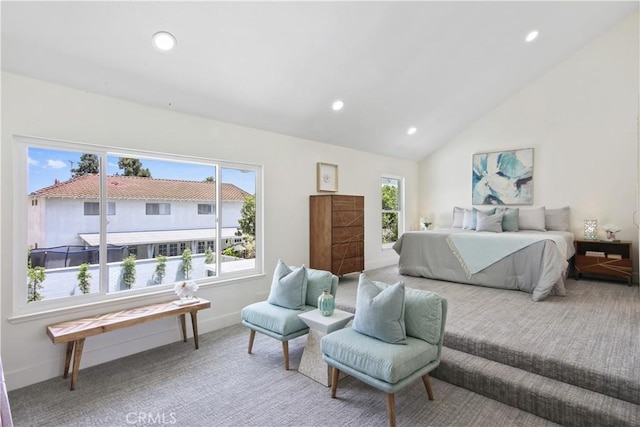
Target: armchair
(390, 360)
(293, 291)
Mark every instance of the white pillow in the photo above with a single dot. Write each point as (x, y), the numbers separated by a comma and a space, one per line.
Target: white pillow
(532, 219)
(487, 222)
(557, 219)
(469, 219)
(458, 216)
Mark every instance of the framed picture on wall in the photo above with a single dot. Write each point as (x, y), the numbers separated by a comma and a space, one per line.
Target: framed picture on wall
(327, 177)
(503, 178)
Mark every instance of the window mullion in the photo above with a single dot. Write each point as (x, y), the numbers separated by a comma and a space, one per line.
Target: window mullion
(102, 251)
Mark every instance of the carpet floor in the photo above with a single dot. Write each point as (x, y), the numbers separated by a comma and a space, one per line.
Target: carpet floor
(574, 360)
(221, 385)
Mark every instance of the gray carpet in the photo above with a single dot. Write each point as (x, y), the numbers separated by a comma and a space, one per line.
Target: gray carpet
(575, 359)
(222, 385)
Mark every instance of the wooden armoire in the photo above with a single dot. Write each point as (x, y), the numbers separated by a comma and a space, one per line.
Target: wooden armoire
(336, 233)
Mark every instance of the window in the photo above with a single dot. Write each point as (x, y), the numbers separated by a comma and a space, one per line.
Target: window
(392, 201)
(158, 208)
(93, 208)
(205, 209)
(190, 203)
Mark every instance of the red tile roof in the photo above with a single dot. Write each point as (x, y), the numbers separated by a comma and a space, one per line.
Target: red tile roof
(133, 187)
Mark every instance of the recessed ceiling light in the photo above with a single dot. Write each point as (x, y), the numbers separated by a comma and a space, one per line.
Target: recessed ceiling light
(163, 41)
(531, 36)
(411, 131)
(337, 105)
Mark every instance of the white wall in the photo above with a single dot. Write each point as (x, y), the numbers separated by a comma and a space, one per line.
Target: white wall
(37, 108)
(581, 120)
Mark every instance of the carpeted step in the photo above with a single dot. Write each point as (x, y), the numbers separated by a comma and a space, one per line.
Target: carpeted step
(571, 371)
(542, 396)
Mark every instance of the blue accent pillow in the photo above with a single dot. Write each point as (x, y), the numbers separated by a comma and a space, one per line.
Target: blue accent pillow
(380, 312)
(289, 287)
(510, 219)
(317, 282)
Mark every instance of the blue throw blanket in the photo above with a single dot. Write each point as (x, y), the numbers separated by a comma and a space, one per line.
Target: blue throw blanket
(477, 251)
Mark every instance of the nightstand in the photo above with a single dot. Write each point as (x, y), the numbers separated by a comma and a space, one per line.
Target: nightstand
(604, 257)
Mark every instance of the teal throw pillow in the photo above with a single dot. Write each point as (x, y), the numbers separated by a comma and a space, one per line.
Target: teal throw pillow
(289, 287)
(380, 312)
(510, 219)
(317, 282)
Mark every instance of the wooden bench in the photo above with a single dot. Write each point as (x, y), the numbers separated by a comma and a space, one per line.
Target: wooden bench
(74, 332)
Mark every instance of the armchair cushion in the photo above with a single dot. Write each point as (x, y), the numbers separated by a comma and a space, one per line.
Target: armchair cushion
(275, 319)
(289, 287)
(378, 359)
(380, 312)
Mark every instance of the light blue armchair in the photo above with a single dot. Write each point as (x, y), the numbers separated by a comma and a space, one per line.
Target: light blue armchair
(391, 366)
(280, 322)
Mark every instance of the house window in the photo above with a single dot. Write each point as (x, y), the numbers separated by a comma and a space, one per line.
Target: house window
(93, 208)
(63, 233)
(158, 208)
(392, 202)
(173, 249)
(205, 209)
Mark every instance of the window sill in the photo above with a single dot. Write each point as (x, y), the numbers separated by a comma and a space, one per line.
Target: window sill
(118, 303)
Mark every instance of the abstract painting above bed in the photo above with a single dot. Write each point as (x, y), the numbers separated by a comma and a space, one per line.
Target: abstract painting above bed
(503, 178)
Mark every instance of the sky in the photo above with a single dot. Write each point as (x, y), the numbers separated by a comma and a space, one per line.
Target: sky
(46, 165)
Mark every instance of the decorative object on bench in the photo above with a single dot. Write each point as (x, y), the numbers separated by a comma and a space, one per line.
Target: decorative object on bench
(74, 332)
(396, 338)
(186, 291)
(293, 291)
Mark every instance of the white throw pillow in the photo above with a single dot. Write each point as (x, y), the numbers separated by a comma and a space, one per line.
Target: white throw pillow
(532, 219)
(557, 219)
(458, 217)
(487, 222)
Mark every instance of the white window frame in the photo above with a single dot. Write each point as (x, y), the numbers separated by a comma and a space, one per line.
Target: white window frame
(111, 208)
(400, 211)
(205, 209)
(163, 208)
(23, 311)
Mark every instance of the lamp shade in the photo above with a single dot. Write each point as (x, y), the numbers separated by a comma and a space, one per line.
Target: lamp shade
(590, 229)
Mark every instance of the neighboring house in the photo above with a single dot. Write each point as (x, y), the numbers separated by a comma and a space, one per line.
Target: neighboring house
(149, 216)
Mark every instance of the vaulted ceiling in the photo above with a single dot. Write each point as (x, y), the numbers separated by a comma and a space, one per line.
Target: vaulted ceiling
(278, 66)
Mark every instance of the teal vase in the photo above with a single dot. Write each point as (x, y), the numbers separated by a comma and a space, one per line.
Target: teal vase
(326, 304)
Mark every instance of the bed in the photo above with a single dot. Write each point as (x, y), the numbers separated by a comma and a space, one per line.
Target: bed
(531, 261)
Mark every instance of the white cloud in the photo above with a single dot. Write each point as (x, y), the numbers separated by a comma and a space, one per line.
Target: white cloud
(33, 162)
(56, 164)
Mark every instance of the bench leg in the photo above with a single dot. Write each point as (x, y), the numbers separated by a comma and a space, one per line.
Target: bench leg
(194, 324)
(67, 359)
(77, 355)
(183, 327)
